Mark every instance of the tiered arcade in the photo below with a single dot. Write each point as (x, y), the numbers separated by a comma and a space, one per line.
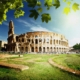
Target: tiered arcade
(39, 41)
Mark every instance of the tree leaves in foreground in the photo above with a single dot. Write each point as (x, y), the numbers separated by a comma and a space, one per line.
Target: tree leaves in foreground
(36, 8)
(66, 10)
(45, 17)
(75, 6)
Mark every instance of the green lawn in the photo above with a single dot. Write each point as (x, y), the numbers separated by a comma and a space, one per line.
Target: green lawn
(39, 69)
(68, 60)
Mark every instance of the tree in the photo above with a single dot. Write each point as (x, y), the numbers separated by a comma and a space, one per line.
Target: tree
(76, 46)
(17, 5)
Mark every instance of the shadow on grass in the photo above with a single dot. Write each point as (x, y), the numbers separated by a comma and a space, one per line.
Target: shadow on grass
(8, 77)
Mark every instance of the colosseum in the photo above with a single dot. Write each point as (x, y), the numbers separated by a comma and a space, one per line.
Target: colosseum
(39, 41)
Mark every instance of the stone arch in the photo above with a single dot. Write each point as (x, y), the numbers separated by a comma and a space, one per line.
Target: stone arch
(22, 49)
(36, 49)
(26, 49)
(50, 41)
(19, 40)
(54, 41)
(57, 49)
(47, 49)
(50, 49)
(22, 39)
(32, 49)
(54, 49)
(62, 49)
(40, 49)
(59, 42)
(43, 49)
(36, 41)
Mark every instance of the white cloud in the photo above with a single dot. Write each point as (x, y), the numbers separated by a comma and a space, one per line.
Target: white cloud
(34, 22)
(38, 28)
(24, 22)
(33, 26)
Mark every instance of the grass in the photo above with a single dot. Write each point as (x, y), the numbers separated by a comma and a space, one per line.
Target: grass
(39, 69)
(69, 60)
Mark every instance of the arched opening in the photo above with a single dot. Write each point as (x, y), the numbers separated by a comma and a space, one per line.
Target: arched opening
(50, 41)
(26, 49)
(32, 49)
(40, 49)
(54, 42)
(36, 41)
(54, 49)
(57, 49)
(59, 42)
(47, 49)
(43, 49)
(22, 49)
(22, 39)
(36, 49)
(50, 49)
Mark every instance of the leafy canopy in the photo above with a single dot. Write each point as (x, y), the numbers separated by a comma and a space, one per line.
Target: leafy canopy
(36, 8)
(76, 46)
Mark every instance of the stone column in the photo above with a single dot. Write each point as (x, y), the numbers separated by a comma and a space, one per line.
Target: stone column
(38, 43)
(42, 43)
(49, 44)
(52, 44)
(46, 44)
(34, 43)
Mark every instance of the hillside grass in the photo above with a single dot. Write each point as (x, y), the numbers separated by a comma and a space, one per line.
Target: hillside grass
(39, 69)
(68, 60)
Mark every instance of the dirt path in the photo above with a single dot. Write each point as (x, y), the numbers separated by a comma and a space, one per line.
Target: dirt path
(64, 68)
(2, 56)
(14, 66)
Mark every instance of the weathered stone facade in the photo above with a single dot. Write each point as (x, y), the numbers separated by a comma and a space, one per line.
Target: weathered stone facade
(2, 44)
(39, 41)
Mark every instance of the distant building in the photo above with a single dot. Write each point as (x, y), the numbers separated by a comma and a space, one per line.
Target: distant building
(39, 41)
(2, 45)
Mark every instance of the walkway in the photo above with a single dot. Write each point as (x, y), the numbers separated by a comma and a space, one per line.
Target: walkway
(14, 66)
(64, 68)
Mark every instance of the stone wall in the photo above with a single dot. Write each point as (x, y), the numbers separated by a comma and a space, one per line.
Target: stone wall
(41, 41)
(38, 41)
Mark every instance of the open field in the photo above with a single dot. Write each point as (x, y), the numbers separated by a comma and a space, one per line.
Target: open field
(39, 68)
(68, 60)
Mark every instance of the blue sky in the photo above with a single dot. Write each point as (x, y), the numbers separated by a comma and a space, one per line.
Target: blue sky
(68, 25)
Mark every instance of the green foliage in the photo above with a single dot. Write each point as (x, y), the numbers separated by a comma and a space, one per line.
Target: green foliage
(18, 13)
(32, 3)
(75, 6)
(56, 3)
(36, 8)
(38, 3)
(34, 14)
(66, 10)
(69, 3)
(64, 0)
(39, 10)
(45, 17)
(48, 3)
(76, 46)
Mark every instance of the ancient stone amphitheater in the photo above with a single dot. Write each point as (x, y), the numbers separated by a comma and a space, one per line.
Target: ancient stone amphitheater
(39, 41)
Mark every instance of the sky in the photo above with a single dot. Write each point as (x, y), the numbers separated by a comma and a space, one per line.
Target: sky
(67, 25)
